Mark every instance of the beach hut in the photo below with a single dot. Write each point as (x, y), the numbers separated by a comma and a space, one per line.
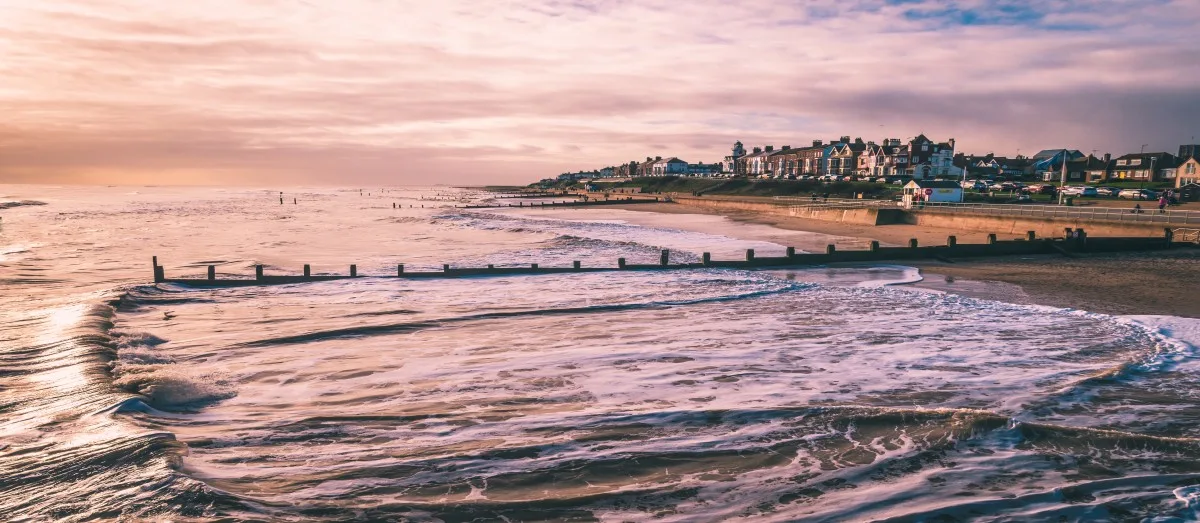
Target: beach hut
(932, 191)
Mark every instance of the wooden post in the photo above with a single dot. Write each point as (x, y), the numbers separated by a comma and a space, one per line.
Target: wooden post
(706, 259)
(991, 239)
(951, 241)
(1031, 235)
(665, 258)
(577, 265)
(400, 269)
(749, 255)
(307, 270)
(874, 245)
(258, 272)
(158, 271)
(212, 272)
(353, 271)
(1169, 235)
(445, 267)
(912, 243)
(830, 249)
(791, 252)
(533, 266)
(620, 263)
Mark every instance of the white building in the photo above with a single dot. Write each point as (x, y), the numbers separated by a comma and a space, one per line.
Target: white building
(921, 191)
(669, 167)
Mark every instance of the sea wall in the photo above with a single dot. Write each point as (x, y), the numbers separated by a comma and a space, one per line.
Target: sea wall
(960, 220)
(855, 216)
(1020, 224)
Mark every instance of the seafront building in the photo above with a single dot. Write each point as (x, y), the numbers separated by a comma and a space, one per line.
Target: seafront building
(919, 158)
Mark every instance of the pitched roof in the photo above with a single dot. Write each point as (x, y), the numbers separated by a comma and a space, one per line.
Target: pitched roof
(937, 184)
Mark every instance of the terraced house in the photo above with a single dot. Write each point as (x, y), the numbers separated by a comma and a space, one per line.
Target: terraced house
(843, 157)
(928, 159)
(1144, 167)
(887, 159)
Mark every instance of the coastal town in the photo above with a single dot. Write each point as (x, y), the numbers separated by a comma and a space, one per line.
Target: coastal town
(896, 161)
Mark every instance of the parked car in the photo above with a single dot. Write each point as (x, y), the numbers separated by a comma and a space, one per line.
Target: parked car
(1138, 194)
(1109, 191)
(1090, 192)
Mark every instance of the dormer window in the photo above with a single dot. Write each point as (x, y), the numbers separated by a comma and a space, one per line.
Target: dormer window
(1135, 161)
(1122, 162)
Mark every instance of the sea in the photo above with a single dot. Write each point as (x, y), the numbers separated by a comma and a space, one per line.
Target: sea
(809, 394)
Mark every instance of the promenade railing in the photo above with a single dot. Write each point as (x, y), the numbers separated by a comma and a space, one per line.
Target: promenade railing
(1187, 235)
(1118, 214)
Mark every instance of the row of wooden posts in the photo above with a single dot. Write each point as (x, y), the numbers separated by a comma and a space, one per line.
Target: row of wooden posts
(1030, 244)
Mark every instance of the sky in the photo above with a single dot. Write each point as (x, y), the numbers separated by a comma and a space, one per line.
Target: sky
(510, 91)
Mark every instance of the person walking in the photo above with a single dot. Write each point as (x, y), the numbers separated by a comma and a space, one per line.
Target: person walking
(1162, 204)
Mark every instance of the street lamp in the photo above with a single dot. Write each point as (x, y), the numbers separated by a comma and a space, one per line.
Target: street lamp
(1151, 175)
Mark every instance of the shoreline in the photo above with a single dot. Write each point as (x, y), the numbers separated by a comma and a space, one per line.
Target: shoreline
(1156, 283)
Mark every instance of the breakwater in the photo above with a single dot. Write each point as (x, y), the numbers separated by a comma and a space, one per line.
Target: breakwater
(1072, 245)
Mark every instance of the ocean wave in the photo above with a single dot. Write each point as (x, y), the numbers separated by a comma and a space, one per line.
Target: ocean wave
(396, 328)
(20, 203)
(67, 455)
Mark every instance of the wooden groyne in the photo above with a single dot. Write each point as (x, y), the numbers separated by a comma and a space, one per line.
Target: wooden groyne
(1072, 245)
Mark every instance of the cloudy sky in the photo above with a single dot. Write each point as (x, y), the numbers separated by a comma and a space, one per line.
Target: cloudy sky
(476, 91)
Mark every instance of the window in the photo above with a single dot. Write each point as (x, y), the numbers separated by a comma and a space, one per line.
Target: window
(1191, 168)
(1122, 162)
(1135, 161)
(925, 147)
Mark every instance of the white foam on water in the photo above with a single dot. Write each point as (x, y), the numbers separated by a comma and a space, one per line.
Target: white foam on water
(721, 394)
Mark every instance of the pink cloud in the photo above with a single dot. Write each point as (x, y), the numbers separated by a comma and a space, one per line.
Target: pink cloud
(472, 92)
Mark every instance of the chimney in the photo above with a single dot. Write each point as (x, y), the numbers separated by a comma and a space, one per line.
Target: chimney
(818, 143)
(871, 143)
(845, 139)
(657, 158)
(757, 150)
(1107, 157)
(770, 148)
(649, 159)
(951, 143)
(858, 140)
(787, 148)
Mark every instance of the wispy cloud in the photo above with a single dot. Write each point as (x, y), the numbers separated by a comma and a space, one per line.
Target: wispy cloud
(466, 91)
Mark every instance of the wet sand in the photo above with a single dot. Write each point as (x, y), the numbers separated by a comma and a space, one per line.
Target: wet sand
(1157, 283)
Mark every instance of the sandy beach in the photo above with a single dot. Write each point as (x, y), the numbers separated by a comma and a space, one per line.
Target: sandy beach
(1158, 283)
